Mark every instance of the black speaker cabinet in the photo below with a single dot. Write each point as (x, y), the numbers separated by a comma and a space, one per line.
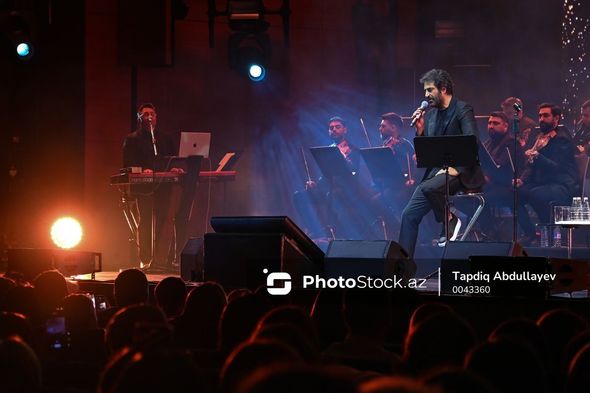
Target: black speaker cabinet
(191, 260)
(32, 261)
(238, 260)
(377, 258)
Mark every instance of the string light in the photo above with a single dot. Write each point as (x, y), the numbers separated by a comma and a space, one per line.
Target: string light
(575, 28)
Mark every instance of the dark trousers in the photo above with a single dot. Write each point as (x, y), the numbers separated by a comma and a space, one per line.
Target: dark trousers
(541, 198)
(429, 195)
(159, 205)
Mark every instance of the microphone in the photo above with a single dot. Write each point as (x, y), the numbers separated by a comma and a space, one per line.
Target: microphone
(517, 107)
(422, 108)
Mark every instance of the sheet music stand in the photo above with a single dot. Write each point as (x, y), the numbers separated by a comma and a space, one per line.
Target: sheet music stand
(382, 164)
(444, 152)
(331, 162)
(491, 167)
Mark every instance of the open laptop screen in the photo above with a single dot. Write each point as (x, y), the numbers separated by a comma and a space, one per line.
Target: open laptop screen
(194, 144)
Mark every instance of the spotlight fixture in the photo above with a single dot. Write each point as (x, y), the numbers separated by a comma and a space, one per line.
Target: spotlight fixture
(249, 54)
(18, 33)
(250, 12)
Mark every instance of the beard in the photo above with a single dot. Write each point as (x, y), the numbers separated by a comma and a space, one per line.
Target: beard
(436, 101)
(545, 127)
(496, 135)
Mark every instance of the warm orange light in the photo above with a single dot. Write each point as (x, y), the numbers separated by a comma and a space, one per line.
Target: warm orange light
(66, 232)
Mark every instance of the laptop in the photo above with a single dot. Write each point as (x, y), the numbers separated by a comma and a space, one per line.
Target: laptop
(194, 144)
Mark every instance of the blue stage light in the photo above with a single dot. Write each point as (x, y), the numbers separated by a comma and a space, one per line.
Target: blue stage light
(256, 72)
(23, 50)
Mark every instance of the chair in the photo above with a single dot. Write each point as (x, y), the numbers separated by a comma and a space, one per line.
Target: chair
(478, 195)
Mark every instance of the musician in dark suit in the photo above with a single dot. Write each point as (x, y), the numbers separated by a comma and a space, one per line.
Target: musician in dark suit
(141, 148)
(392, 190)
(499, 189)
(334, 208)
(551, 175)
(582, 130)
(138, 147)
(447, 116)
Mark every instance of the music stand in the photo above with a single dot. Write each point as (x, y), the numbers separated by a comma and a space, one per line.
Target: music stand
(331, 162)
(444, 152)
(382, 164)
(491, 167)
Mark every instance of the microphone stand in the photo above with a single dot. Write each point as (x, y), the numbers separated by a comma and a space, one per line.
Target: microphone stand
(515, 127)
(153, 138)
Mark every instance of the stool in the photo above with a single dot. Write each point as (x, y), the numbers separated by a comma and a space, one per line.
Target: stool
(478, 195)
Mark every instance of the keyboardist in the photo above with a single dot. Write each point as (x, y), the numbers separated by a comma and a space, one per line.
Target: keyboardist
(141, 148)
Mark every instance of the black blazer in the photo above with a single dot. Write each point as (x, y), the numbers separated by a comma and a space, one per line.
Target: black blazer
(460, 121)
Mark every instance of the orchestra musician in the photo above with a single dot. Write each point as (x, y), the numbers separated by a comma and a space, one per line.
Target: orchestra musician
(392, 194)
(551, 176)
(448, 116)
(334, 208)
(582, 130)
(141, 148)
(498, 189)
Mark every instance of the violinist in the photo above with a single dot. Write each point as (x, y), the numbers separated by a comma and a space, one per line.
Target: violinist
(337, 131)
(498, 189)
(393, 194)
(334, 208)
(582, 131)
(551, 176)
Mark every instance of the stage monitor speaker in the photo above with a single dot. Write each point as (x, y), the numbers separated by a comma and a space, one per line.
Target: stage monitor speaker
(270, 224)
(464, 250)
(191, 260)
(376, 258)
(456, 258)
(32, 261)
(239, 260)
(511, 276)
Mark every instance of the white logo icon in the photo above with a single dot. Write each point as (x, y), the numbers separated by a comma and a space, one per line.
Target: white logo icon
(277, 278)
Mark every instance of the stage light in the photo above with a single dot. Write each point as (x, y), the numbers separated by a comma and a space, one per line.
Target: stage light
(24, 49)
(249, 54)
(256, 72)
(66, 232)
(19, 33)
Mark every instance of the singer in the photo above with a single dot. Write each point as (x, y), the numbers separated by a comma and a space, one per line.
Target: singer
(139, 149)
(446, 116)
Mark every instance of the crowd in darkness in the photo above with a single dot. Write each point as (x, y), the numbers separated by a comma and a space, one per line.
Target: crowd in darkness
(208, 340)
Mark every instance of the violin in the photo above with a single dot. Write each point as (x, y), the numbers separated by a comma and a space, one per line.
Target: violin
(540, 143)
(344, 148)
(391, 142)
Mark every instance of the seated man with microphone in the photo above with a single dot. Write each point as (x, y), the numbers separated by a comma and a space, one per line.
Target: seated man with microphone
(447, 116)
